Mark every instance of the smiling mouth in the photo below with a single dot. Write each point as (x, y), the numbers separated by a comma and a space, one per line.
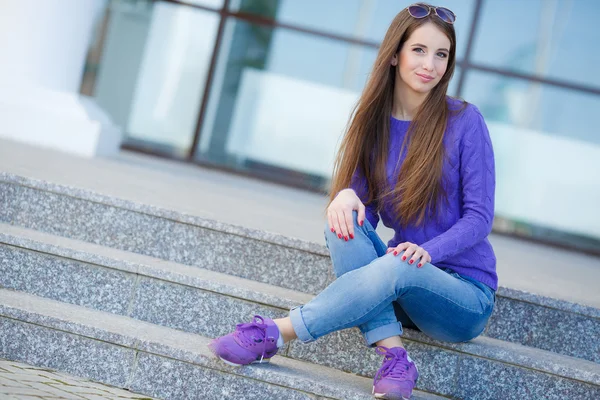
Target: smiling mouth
(426, 77)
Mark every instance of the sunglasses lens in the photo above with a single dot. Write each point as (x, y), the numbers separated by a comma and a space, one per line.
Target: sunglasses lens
(445, 15)
(418, 11)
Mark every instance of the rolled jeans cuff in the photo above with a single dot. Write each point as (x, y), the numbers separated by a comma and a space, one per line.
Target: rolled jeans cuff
(299, 326)
(382, 332)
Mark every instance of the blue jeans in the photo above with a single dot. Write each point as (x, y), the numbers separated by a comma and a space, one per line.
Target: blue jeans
(442, 304)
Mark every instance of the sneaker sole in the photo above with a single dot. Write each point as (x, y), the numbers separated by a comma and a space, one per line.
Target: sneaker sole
(386, 396)
(213, 350)
(264, 361)
(389, 397)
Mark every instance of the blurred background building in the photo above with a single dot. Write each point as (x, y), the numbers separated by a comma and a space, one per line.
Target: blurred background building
(265, 88)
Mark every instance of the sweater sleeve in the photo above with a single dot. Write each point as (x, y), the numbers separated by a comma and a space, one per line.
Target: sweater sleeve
(478, 183)
(361, 188)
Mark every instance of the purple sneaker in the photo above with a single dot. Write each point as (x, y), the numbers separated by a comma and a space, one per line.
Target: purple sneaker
(255, 342)
(397, 376)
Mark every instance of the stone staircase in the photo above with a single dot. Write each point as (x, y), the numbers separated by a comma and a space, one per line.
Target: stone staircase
(129, 294)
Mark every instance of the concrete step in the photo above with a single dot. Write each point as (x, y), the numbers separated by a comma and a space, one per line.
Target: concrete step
(520, 317)
(210, 304)
(155, 360)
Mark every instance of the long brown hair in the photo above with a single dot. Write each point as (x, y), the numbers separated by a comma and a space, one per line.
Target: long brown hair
(364, 148)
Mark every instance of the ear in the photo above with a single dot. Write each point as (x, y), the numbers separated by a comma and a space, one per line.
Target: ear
(394, 61)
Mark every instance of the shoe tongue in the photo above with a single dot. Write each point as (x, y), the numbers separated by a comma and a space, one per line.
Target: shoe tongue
(249, 331)
(255, 333)
(270, 330)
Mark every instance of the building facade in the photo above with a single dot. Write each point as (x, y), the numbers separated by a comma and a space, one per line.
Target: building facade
(265, 88)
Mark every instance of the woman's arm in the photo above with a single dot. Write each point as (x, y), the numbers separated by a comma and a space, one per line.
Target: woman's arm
(478, 181)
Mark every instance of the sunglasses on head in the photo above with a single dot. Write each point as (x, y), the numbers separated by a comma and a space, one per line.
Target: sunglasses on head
(419, 10)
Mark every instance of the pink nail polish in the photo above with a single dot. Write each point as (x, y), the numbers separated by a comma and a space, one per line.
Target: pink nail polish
(351, 236)
(346, 238)
(395, 253)
(339, 235)
(332, 230)
(411, 261)
(420, 265)
(403, 258)
(361, 223)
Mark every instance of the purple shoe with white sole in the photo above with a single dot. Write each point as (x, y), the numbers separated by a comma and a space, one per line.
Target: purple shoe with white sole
(254, 342)
(396, 378)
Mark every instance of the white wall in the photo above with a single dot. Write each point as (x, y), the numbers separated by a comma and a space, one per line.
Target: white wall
(43, 48)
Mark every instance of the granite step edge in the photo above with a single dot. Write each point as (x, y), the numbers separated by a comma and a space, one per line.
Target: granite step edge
(277, 239)
(169, 271)
(155, 211)
(267, 295)
(132, 262)
(518, 355)
(182, 346)
(496, 350)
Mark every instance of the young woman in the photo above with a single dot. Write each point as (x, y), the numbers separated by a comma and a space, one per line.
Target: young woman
(423, 163)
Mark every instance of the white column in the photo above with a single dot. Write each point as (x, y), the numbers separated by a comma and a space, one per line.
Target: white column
(44, 45)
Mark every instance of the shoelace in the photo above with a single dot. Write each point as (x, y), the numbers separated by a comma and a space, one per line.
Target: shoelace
(392, 366)
(254, 332)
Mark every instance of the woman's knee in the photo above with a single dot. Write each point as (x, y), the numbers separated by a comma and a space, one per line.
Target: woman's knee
(330, 234)
(455, 334)
(389, 268)
(399, 273)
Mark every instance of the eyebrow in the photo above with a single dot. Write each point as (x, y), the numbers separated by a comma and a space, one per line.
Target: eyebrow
(422, 45)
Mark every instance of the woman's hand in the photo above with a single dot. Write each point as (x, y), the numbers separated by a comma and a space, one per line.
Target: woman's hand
(412, 252)
(339, 213)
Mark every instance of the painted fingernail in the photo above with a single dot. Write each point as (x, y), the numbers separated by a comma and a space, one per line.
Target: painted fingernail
(411, 261)
(420, 265)
(395, 253)
(346, 238)
(339, 235)
(404, 258)
(361, 223)
(351, 236)
(332, 230)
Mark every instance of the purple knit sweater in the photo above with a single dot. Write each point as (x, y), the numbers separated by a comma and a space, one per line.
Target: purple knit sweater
(458, 238)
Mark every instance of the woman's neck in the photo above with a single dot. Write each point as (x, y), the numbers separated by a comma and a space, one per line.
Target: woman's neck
(406, 101)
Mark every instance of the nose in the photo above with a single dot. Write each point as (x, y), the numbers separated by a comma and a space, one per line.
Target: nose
(428, 64)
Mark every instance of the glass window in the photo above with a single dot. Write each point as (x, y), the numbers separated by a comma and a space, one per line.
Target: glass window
(547, 151)
(217, 4)
(281, 99)
(452, 88)
(556, 39)
(153, 72)
(363, 19)
(330, 16)
(531, 105)
(387, 10)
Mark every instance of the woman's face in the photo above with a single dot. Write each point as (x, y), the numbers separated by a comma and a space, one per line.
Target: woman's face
(423, 58)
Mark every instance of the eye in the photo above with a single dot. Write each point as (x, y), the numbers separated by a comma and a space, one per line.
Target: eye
(442, 55)
(418, 50)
